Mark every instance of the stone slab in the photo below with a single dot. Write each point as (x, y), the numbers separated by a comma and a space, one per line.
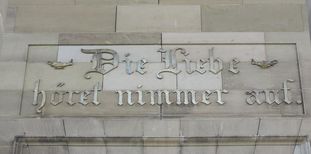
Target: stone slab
(235, 149)
(9, 70)
(19, 42)
(136, 52)
(87, 149)
(59, 19)
(213, 37)
(161, 128)
(158, 18)
(50, 77)
(115, 2)
(109, 38)
(219, 127)
(10, 102)
(10, 20)
(253, 18)
(42, 53)
(40, 2)
(274, 1)
(120, 80)
(279, 126)
(243, 52)
(201, 2)
(124, 128)
(87, 127)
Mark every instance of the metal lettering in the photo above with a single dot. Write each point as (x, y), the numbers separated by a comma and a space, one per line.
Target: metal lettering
(215, 64)
(83, 97)
(59, 98)
(205, 97)
(99, 62)
(232, 66)
(219, 96)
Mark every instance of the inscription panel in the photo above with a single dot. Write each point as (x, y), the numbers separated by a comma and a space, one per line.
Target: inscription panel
(168, 80)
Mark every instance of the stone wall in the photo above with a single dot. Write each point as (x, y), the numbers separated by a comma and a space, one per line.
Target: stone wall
(35, 31)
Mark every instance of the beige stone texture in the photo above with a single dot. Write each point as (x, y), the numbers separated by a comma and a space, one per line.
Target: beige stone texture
(274, 1)
(136, 53)
(10, 102)
(161, 128)
(115, 2)
(124, 128)
(15, 45)
(65, 19)
(3, 13)
(87, 127)
(160, 18)
(235, 149)
(40, 2)
(279, 126)
(109, 38)
(202, 2)
(287, 149)
(86, 149)
(118, 79)
(10, 20)
(42, 54)
(156, 150)
(125, 149)
(213, 38)
(49, 77)
(198, 149)
(253, 18)
(12, 74)
(198, 81)
(244, 52)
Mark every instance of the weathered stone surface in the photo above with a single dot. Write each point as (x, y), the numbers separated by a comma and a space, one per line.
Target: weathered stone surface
(40, 2)
(125, 149)
(118, 79)
(86, 149)
(88, 127)
(9, 129)
(252, 18)
(213, 37)
(274, 1)
(10, 20)
(158, 18)
(60, 19)
(15, 45)
(201, 2)
(124, 128)
(42, 127)
(219, 127)
(47, 149)
(115, 2)
(10, 102)
(253, 77)
(198, 149)
(244, 52)
(5, 149)
(279, 126)
(50, 77)
(42, 53)
(156, 150)
(161, 128)
(198, 81)
(9, 70)
(3, 12)
(235, 149)
(136, 53)
(109, 38)
(287, 149)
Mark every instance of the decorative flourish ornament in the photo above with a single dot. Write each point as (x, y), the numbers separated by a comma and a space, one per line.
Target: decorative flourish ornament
(60, 65)
(264, 64)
